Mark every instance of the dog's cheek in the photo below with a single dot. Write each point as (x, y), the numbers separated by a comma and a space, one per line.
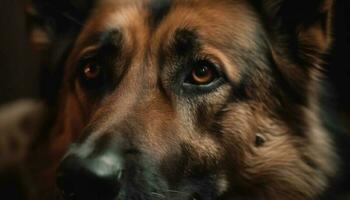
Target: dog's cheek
(258, 151)
(277, 171)
(237, 127)
(264, 157)
(187, 158)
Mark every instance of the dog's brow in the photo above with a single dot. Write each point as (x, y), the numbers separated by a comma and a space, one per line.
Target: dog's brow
(110, 38)
(184, 42)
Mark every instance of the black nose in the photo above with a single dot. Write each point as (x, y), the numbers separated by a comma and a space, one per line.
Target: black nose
(89, 178)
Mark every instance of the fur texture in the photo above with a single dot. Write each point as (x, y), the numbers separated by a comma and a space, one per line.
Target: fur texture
(257, 134)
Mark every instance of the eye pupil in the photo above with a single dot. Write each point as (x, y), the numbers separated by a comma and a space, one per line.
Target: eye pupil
(202, 71)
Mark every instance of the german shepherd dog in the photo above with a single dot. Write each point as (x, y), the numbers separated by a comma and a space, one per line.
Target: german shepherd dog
(190, 99)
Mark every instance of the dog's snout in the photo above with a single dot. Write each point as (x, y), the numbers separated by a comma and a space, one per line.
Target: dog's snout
(90, 178)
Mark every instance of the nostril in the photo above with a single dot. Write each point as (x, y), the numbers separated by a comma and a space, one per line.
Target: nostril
(79, 178)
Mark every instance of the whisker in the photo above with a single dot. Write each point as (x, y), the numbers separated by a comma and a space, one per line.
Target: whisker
(175, 191)
(158, 195)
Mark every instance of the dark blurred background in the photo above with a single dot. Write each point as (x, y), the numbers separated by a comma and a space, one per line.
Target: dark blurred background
(339, 62)
(19, 73)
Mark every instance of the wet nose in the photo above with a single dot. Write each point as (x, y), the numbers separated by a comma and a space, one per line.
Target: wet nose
(90, 178)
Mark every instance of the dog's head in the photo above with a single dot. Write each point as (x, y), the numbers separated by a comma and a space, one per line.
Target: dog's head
(195, 99)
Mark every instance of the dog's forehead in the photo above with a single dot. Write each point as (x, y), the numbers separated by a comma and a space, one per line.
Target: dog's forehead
(158, 10)
(147, 26)
(155, 14)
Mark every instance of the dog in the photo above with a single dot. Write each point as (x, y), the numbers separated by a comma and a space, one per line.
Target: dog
(189, 99)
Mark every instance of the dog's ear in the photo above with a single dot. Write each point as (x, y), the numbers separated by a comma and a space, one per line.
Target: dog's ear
(53, 26)
(302, 26)
(300, 35)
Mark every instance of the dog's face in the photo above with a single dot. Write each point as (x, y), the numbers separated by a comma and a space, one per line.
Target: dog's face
(194, 100)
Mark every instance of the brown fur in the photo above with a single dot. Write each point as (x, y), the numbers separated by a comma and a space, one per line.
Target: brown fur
(217, 130)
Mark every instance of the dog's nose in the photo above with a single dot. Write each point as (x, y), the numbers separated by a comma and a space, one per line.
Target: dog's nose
(90, 178)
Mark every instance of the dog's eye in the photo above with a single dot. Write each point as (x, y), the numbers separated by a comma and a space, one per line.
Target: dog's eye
(91, 71)
(92, 76)
(203, 73)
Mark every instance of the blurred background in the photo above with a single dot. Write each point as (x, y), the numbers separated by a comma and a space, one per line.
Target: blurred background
(19, 68)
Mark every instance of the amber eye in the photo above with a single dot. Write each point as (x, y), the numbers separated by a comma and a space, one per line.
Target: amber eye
(91, 71)
(202, 75)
